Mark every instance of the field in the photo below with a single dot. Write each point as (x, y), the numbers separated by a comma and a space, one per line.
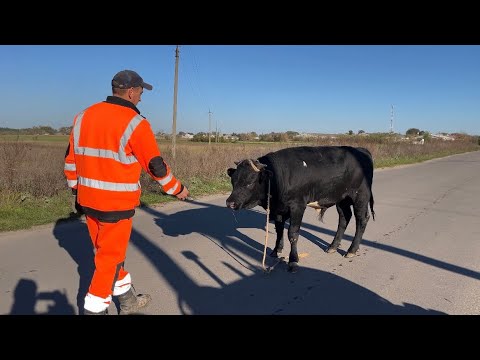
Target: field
(33, 189)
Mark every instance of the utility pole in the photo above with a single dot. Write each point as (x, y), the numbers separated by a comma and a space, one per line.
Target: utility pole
(209, 125)
(175, 86)
(391, 120)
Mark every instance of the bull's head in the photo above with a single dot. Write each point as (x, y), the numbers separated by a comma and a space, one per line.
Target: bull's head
(249, 181)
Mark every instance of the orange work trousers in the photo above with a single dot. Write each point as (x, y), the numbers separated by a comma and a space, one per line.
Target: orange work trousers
(110, 241)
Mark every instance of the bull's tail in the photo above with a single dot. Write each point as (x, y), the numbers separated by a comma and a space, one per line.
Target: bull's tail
(322, 212)
(371, 206)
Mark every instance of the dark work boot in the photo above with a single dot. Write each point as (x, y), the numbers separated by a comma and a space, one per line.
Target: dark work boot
(88, 312)
(130, 303)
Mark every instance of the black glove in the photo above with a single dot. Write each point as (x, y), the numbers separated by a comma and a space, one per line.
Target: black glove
(76, 205)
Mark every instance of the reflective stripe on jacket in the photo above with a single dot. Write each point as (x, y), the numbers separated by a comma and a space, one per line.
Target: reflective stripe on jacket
(109, 145)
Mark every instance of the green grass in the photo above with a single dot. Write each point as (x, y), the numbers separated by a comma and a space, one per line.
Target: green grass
(21, 211)
(405, 159)
(196, 187)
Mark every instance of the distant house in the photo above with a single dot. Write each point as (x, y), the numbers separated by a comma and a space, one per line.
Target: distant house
(443, 137)
(230, 137)
(187, 136)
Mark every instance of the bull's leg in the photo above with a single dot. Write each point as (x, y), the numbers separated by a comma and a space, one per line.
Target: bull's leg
(344, 216)
(360, 210)
(296, 216)
(279, 227)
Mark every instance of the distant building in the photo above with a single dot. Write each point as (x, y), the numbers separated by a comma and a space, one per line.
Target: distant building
(187, 136)
(443, 137)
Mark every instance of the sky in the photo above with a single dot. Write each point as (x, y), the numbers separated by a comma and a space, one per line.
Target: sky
(261, 88)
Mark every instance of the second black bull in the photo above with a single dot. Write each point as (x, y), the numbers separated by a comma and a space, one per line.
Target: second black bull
(319, 177)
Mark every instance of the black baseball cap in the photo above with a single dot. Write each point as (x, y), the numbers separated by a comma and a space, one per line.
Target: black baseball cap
(126, 79)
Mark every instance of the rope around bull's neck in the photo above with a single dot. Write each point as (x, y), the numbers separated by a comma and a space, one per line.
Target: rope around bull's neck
(266, 235)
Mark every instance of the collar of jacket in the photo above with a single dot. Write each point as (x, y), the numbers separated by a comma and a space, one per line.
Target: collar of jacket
(119, 101)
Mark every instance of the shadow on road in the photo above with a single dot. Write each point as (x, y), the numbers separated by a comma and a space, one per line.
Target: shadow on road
(218, 222)
(26, 298)
(309, 291)
(72, 235)
(388, 248)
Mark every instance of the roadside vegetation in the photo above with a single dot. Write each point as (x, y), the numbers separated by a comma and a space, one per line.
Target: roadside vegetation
(33, 189)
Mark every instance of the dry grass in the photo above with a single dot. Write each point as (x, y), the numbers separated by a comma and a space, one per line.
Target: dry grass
(33, 190)
(29, 169)
(32, 169)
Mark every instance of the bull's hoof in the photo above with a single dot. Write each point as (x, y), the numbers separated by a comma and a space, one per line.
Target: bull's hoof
(274, 254)
(331, 249)
(350, 255)
(293, 267)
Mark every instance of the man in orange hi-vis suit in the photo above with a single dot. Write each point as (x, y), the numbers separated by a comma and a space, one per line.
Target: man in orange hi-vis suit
(110, 144)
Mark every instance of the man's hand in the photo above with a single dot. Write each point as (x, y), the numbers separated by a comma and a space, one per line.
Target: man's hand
(183, 194)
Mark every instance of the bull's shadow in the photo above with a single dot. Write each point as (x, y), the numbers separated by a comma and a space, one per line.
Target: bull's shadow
(222, 224)
(217, 224)
(309, 291)
(389, 248)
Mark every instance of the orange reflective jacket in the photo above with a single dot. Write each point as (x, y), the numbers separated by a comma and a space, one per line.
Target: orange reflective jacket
(109, 145)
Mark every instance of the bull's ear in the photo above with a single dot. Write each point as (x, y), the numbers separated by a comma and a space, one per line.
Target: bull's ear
(265, 174)
(230, 171)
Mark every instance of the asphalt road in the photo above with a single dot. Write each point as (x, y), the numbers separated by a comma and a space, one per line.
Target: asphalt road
(420, 256)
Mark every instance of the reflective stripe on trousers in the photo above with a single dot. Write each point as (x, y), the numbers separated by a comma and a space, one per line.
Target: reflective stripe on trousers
(110, 241)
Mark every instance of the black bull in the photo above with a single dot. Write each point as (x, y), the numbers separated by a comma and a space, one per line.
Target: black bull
(319, 177)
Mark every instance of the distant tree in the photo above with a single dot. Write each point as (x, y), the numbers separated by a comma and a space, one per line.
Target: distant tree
(200, 137)
(41, 130)
(160, 134)
(5, 131)
(65, 130)
(462, 136)
(426, 136)
(412, 132)
(280, 137)
(291, 134)
(247, 136)
(361, 132)
(243, 137)
(350, 132)
(266, 137)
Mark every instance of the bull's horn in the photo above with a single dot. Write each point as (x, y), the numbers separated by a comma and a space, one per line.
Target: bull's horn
(253, 165)
(237, 162)
(259, 164)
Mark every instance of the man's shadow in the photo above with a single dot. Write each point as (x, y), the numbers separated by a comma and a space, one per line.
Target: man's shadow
(26, 298)
(72, 235)
(308, 292)
(218, 224)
